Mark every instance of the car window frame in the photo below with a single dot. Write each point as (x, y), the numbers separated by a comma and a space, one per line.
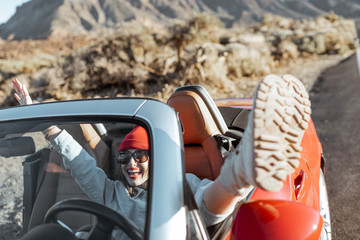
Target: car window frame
(162, 124)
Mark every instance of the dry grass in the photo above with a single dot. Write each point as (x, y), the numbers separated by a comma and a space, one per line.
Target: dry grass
(143, 60)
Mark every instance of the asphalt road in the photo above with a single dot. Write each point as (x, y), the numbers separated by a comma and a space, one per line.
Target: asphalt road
(336, 115)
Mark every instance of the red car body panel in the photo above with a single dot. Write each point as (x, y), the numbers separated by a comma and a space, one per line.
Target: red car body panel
(297, 203)
(276, 219)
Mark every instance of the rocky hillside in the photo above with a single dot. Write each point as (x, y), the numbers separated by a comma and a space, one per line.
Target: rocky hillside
(107, 48)
(145, 59)
(38, 19)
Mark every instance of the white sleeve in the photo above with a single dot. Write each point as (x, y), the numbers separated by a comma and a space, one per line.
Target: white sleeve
(91, 179)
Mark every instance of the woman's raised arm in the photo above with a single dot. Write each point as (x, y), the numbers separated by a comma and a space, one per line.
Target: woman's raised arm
(23, 97)
(22, 94)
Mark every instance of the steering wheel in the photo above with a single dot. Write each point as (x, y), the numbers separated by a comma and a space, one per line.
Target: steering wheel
(107, 218)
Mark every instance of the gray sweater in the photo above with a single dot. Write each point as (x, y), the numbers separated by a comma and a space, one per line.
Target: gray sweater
(113, 194)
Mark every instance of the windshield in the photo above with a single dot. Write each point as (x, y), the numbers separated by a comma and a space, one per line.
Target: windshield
(106, 162)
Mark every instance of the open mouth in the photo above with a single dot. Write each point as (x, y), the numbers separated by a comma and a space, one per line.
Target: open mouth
(134, 172)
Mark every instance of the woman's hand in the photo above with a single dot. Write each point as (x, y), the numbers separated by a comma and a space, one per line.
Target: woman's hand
(23, 97)
(22, 94)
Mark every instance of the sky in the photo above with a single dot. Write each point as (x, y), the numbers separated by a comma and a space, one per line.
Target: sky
(8, 8)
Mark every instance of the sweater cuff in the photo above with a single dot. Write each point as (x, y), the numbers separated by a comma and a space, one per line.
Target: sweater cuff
(65, 144)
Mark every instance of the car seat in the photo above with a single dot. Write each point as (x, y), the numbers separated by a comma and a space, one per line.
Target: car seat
(202, 124)
(205, 134)
(55, 183)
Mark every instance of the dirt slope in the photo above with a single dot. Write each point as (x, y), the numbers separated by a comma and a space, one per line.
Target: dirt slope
(38, 19)
(145, 59)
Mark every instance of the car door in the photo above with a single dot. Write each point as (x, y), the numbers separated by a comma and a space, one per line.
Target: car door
(98, 126)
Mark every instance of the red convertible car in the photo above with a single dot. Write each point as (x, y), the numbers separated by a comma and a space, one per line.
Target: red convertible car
(298, 205)
(195, 131)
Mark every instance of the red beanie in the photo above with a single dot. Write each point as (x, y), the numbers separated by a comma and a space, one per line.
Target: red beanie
(136, 139)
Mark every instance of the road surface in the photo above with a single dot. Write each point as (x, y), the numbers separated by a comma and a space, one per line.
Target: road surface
(336, 115)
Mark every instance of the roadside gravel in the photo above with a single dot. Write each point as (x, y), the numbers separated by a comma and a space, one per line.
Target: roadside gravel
(11, 187)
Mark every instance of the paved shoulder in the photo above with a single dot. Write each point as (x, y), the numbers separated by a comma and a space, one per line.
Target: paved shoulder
(336, 115)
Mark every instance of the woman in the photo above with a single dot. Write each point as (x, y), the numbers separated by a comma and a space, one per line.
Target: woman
(132, 157)
(267, 153)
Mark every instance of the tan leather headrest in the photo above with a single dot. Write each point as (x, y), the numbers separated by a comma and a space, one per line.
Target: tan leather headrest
(195, 116)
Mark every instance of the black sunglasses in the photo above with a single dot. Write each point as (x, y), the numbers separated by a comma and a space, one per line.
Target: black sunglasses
(140, 156)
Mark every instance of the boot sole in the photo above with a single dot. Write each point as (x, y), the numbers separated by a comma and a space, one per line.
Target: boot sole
(281, 115)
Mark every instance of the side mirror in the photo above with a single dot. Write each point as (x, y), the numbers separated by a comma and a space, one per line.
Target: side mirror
(18, 146)
(276, 219)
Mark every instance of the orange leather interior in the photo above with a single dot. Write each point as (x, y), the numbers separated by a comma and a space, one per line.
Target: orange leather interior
(96, 146)
(202, 155)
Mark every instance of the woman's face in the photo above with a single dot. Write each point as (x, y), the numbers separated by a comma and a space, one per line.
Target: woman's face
(135, 172)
